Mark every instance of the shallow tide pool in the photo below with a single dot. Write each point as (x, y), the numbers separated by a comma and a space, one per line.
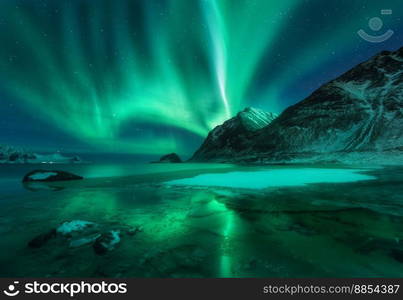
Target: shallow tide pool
(274, 178)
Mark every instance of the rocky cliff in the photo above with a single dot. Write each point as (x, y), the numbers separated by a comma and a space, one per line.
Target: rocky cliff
(358, 116)
(233, 136)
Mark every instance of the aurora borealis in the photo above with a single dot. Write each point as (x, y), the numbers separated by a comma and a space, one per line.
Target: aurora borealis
(153, 76)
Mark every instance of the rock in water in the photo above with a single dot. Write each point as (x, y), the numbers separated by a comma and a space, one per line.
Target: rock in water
(49, 176)
(170, 158)
(106, 242)
(80, 233)
(70, 227)
(42, 239)
(83, 241)
(233, 136)
(356, 118)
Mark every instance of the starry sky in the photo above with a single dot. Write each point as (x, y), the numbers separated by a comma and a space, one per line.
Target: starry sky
(154, 76)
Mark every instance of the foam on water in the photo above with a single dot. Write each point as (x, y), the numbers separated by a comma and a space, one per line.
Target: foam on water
(274, 178)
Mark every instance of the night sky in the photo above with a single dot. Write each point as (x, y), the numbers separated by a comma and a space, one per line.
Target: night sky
(153, 76)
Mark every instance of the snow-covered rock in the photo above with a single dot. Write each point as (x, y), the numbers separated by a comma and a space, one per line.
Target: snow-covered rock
(69, 227)
(234, 135)
(80, 233)
(77, 232)
(49, 176)
(42, 176)
(358, 117)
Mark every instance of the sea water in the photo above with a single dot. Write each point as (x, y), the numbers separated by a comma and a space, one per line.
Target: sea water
(209, 221)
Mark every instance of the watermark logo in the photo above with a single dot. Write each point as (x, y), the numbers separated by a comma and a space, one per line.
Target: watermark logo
(12, 290)
(69, 288)
(376, 24)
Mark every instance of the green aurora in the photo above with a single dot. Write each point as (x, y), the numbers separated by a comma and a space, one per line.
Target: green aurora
(150, 76)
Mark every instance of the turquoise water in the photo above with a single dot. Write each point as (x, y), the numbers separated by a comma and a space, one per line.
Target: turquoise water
(306, 221)
(274, 178)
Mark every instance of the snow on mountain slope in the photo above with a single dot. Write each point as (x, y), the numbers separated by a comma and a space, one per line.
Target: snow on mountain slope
(233, 135)
(12, 155)
(362, 110)
(357, 116)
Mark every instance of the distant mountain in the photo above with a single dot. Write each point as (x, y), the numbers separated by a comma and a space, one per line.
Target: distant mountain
(12, 155)
(356, 117)
(234, 135)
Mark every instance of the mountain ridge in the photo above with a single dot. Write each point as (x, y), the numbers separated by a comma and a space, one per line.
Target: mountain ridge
(358, 114)
(14, 155)
(232, 135)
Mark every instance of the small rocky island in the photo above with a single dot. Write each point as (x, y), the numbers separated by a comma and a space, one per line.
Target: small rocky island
(81, 233)
(169, 158)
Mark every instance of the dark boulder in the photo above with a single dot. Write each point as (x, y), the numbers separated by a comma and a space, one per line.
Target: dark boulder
(233, 136)
(49, 176)
(14, 156)
(42, 239)
(397, 254)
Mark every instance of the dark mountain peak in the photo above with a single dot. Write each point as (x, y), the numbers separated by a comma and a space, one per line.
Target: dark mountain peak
(357, 116)
(376, 71)
(234, 134)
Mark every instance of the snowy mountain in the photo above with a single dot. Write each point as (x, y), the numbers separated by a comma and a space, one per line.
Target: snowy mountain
(356, 117)
(11, 155)
(233, 135)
